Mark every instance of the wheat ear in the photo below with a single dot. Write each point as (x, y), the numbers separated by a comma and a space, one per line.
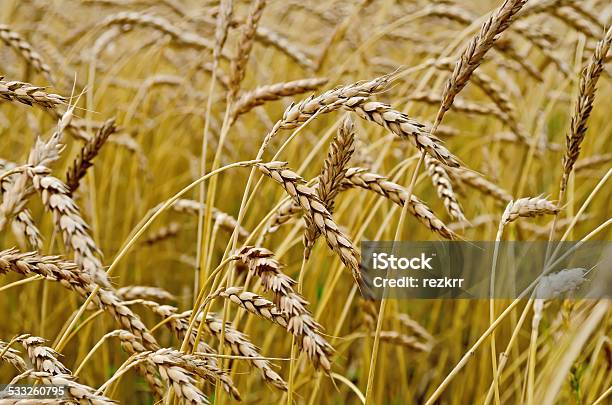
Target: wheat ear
(315, 211)
(332, 174)
(584, 106)
(301, 323)
(528, 207)
(273, 92)
(69, 275)
(245, 45)
(473, 55)
(88, 152)
(12, 357)
(362, 178)
(444, 187)
(16, 41)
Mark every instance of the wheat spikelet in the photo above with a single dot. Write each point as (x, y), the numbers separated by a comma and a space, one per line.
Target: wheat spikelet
(43, 358)
(444, 188)
(332, 174)
(12, 357)
(300, 321)
(88, 152)
(15, 41)
(584, 106)
(316, 212)
(69, 275)
(475, 51)
(528, 207)
(245, 44)
(273, 92)
(480, 183)
(361, 177)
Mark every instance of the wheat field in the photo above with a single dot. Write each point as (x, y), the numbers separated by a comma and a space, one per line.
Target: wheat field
(185, 185)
